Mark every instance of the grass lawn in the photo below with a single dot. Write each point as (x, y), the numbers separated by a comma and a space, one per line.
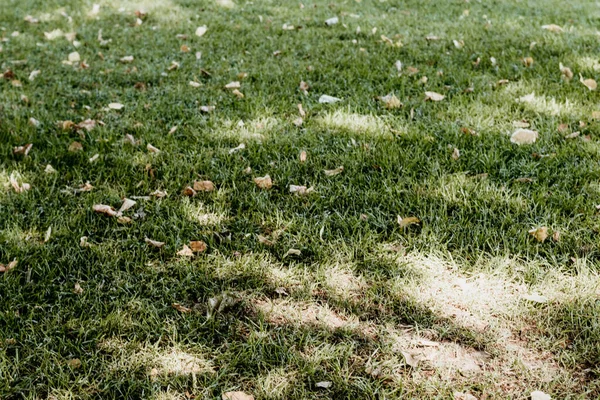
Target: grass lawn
(400, 247)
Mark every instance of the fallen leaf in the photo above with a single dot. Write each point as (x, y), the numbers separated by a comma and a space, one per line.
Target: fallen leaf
(536, 298)
(9, 266)
(293, 252)
(154, 243)
(264, 182)
(391, 101)
(304, 87)
(55, 34)
(325, 99)
(239, 94)
(49, 169)
(152, 149)
(528, 61)
(116, 106)
(303, 156)
(573, 135)
(34, 122)
(126, 59)
(74, 57)
(409, 359)
(540, 234)
(324, 384)
(74, 363)
(236, 396)
(301, 110)
(566, 72)
(300, 190)
(520, 124)
(298, 122)
(459, 44)
(127, 204)
(87, 124)
(233, 85)
(104, 209)
(463, 396)
(201, 30)
(95, 10)
(181, 308)
(188, 191)
(556, 236)
(404, 222)
(124, 220)
(539, 395)
(48, 234)
(333, 172)
(186, 251)
(196, 85)
(173, 130)
(77, 289)
(23, 150)
(94, 158)
(552, 28)
(184, 48)
(159, 194)
(242, 146)
(332, 21)
(207, 109)
(588, 83)
(433, 96)
(204, 186)
(524, 136)
(455, 154)
(264, 240)
(198, 246)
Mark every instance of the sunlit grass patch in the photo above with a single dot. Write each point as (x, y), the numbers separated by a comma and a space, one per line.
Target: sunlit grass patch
(199, 213)
(353, 122)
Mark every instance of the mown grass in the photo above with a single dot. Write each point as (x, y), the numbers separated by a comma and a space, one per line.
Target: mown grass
(363, 289)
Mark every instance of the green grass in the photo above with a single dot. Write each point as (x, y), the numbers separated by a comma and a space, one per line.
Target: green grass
(363, 290)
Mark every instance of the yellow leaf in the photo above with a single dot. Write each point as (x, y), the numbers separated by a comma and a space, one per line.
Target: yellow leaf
(404, 222)
(198, 246)
(204, 186)
(540, 234)
(588, 83)
(181, 308)
(264, 182)
(433, 96)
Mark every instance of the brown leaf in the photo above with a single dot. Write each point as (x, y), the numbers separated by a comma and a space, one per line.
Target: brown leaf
(333, 172)
(181, 308)
(264, 182)
(188, 191)
(540, 234)
(204, 186)
(236, 396)
(75, 147)
(588, 83)
(159, 194)
(104, 209)
(303, 156)
(198, 246)
(74, 363)
(239, 94)
(77, 289)
(524, 136)
(391, 101)
(233, 85)
(154, 243)
(9, 266)
(298, 122)
(152, 149)
(264, 240)
(404, 222)
(566, 72)
(528, 61)
(23, 150)
(124, 220)
(433, 96)
(185, 251)
(300, 190)
(304, 87)
(556, 236)
(301, 110)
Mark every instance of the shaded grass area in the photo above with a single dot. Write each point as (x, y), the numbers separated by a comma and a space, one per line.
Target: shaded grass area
(474, 210)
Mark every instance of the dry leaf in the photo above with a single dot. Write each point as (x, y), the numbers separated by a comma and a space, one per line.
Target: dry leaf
(74, 363)
(573, 135)
(207, 109)
(115, 106)
(520, 124)
(124, 220)
(152, 149)
(87, 124)
(325, 99)
(324, 384)
(236, 396)
(94, 158)
(540, 234)
(104, 209)
(173, 130)
(264, 240)
(241, 146)
(552, 28)
(201, 30)
(539, 395)
(184, 48)
(181, 308)
(524, 136)
(34, 122)
(333, 172)
(404, 222)
(75, 147)
(433, 96)
(304, 87)
(95, 10)
(409, 359)
(298, 122)
(332, 21)
(303, 156)
(566, 72)
(588, 83)
(463, 396)
(455, 154)
(204, 186)
(77, 289)
(188, 191)
(264, 182)
(459, 44)
(391, 101)
(300, 190)
(22, 150)
(198, 246)
(126, 59)
(154, 243)
(186, 251)
(159, 194)
(195, 84)
(9, 266)
(127, 204)
(233, 85)
(55, 34)
(239, 94)
(556, 236)
(293, 252)
(48, 234)
(536, 298)
(49, 169)
(528, 61)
